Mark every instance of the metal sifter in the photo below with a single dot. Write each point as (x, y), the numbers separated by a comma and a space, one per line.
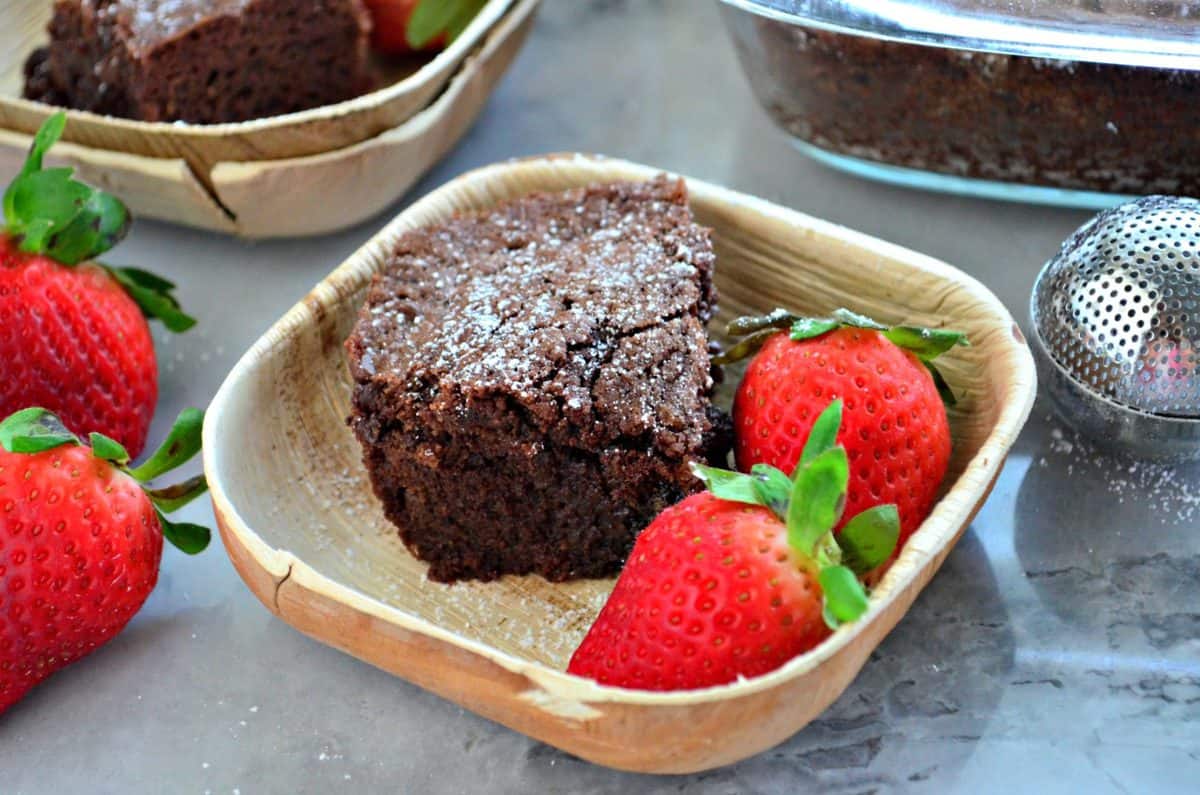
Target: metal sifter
(1116, 327)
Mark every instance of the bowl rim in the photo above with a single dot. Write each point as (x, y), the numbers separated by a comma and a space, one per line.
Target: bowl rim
(1014, 407)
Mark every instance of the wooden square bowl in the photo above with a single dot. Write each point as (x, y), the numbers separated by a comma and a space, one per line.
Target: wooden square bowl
(299, 520)
(297, 174)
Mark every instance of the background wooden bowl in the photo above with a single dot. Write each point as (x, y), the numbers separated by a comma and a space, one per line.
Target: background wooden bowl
(202, 146)
(299, 521)
(301, 174)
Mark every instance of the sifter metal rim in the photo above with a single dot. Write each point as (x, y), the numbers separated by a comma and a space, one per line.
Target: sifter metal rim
(1113, 425)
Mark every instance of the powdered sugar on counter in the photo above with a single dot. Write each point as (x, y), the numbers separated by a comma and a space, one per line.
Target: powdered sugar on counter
(1172, 491)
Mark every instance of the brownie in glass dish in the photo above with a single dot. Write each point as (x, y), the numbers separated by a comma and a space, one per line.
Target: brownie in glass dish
(977, 88)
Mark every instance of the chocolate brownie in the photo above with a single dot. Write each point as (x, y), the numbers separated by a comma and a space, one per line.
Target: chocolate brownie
(201, 61)
(1037, 121)
(533, 382)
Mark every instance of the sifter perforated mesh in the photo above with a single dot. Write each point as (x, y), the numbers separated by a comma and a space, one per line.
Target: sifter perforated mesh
(1118, 308)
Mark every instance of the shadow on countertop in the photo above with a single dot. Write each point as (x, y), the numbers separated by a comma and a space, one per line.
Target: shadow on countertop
(1111, 545)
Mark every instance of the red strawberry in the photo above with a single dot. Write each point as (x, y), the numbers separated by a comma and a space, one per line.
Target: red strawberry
(74, 336)
(736, 582)
(73, 340)
(80, 540)
(389, 27)
(895, 431)
(399, 27)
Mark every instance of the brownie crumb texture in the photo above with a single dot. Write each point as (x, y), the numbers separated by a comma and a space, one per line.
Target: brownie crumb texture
(533, 382)
(1036, 121)
(201, 61)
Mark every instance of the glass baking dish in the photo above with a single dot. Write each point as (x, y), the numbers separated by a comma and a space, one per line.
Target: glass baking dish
(1072, 102)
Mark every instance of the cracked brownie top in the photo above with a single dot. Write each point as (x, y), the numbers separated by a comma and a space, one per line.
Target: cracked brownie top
(584, 308)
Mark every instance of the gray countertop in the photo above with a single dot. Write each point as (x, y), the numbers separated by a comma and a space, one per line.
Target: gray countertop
(1057, 650)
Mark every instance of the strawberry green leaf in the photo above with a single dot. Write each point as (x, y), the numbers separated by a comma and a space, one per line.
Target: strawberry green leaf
(939, 381)
(49, 213)
(151, 281)
(818, 499)
(823, 435)
(108, 449)
(774, 488)
(181, 444)
(153, 296)
(50, 132)
(777, 319)
(847, 318)
(48, 135)
(732, 486)
(745, 347)
(466, 12)
(869, 539)
(188, 538)
(429, 19)
(33, 430)
(926, 343)
(845, 597)
(41, 203)
(100, 224)
(827, 552)
(830, 619)
(172, 498)
(806, 328)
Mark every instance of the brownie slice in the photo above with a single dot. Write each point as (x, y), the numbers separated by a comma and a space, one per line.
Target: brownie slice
(201, 61)
(533, 382)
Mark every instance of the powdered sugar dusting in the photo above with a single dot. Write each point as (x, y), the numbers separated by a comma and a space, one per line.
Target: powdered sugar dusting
(162, 19)
(1173, 490)
(540, 301)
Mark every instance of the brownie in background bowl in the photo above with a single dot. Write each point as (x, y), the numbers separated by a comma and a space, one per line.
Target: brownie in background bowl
(532, 383)
(201, 61)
